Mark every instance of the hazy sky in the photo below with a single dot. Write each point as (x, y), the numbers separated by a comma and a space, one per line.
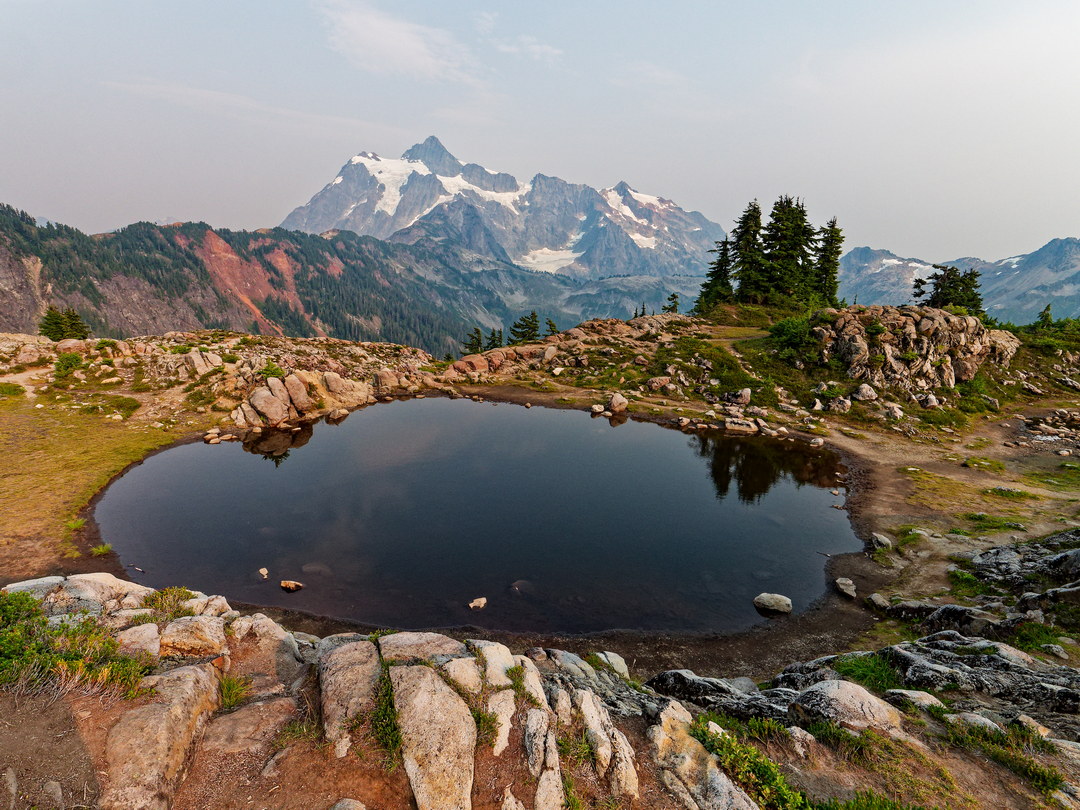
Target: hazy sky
(936, 128)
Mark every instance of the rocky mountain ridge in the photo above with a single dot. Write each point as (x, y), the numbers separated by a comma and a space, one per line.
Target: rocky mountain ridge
(154, 279)
(545, 224)
(1014, 289)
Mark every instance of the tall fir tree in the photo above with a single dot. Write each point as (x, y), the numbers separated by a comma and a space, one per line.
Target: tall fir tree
(672, 304)
(830, 246)
(748, 257)
(788, 242)
(552, 329)
(717, 286)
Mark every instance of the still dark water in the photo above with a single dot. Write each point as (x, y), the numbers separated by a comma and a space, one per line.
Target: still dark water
(404, 512)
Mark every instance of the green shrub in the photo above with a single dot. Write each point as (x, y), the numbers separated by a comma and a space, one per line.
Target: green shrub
(271, 369)
(577, 749)
(8, 389)
(37, 656)
(125, 406)
(167, 603)
(487, 725)
(105, 343)
(1010, 493)
(793, 340)
(967, 584)
(65, 364)
(230, 358)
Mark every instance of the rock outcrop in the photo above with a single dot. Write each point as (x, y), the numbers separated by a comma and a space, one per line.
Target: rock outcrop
(911, 348)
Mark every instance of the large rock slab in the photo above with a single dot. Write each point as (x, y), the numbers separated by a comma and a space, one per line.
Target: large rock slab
(686, 765)
(847, 704)
(438, 738)
(250, 728)
(37, 588)
(147, 748)
(88, 592)
(142, 638)
(497, 659)
(347, 677)
(419, 646)
(193, 636)
(614, 756)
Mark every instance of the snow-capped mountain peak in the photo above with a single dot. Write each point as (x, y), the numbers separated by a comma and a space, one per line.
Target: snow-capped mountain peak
(547, 224)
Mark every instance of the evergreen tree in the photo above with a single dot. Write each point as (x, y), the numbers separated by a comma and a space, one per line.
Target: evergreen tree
(474, 343)
(788, 242)
(494, 340)
(74, 326)
(830, 246)
(950, 287)
(748, 258)
(672, 304)
(51, 324)
(525, 329)
(1044, 321)
(717, 286)
(552, 329)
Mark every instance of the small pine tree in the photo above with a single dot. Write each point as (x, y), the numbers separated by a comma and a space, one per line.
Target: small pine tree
(672, 304)
(51, 324)
(717, 287)
(474, 343)
(552, 329)
(1045, 319)
(525, 329)
(830, 246)
(494, 340)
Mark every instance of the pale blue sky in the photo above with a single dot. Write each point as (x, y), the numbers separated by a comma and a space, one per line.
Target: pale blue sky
(935, 129)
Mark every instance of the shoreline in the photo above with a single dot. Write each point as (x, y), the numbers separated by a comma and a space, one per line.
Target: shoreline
(830, 622)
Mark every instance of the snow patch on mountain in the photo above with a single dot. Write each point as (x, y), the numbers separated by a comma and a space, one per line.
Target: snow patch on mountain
(547, 260)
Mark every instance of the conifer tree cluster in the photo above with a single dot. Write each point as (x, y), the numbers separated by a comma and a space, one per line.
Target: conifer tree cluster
(950, 287)
(525, 329)
(63, 325)
(784, 261)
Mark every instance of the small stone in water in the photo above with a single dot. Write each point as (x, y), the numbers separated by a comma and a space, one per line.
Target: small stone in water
(264, 573)
(478, 604)
(291, 585)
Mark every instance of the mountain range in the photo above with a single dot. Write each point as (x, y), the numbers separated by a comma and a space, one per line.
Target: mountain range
(545, 224)
(1014, 289)
(149, 279)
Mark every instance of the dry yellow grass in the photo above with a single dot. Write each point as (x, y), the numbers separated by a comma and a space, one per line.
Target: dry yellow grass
(55, 461)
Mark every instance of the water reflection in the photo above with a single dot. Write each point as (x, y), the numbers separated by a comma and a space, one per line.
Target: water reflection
(405, 512)
(757, 465)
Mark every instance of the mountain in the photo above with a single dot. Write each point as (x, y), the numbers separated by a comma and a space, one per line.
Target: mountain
(546, 224)
(148, 279)
(1014, 289)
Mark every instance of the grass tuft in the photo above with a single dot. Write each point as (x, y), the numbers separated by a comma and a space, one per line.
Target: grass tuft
(872, 671)
(234, 690)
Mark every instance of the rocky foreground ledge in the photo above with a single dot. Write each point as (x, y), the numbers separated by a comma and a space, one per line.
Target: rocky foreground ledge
(476, 726)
